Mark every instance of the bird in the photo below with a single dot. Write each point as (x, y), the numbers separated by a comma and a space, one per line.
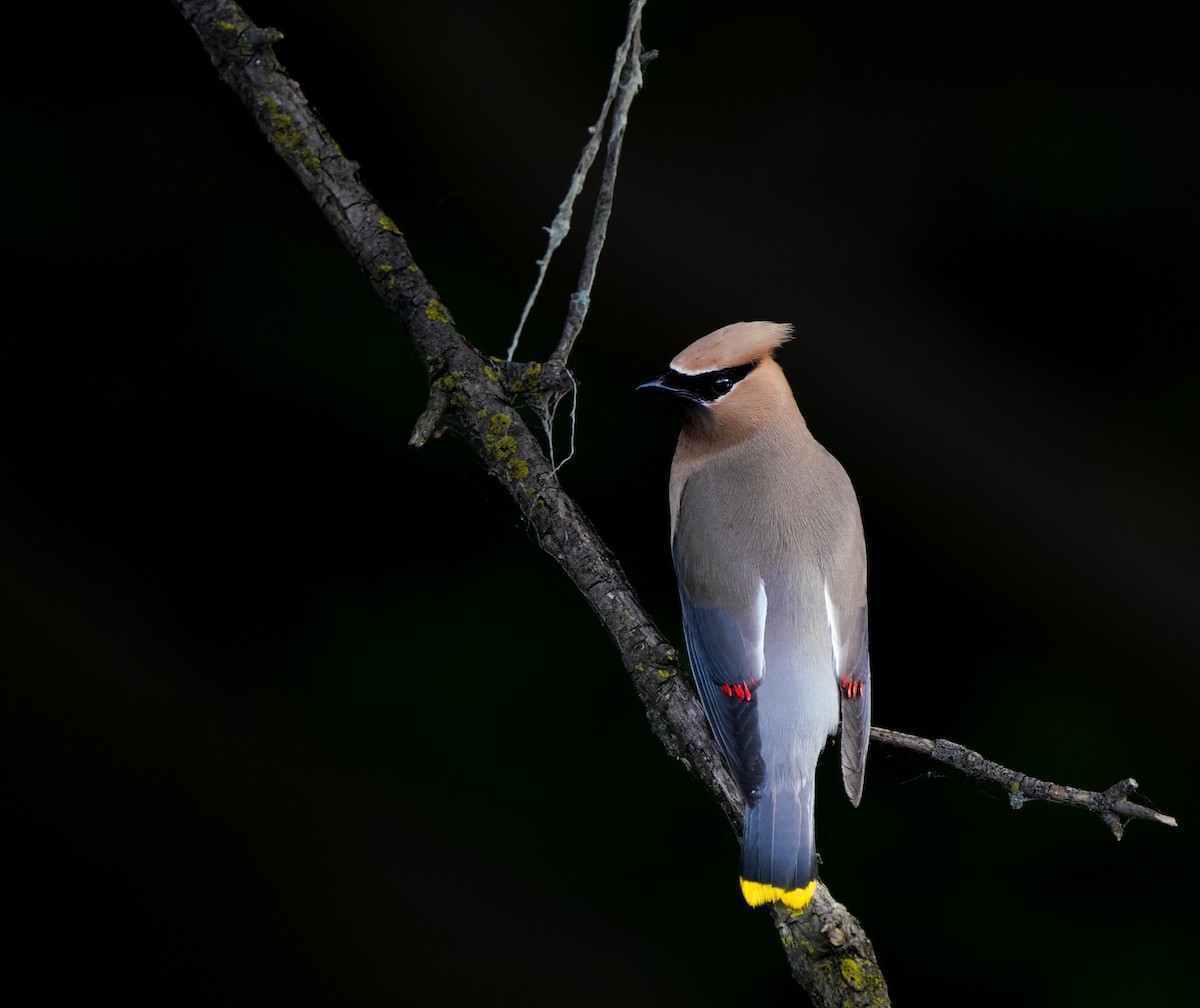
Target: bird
(770, 559)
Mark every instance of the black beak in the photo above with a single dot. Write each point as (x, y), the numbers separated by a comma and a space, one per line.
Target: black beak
(659, 384)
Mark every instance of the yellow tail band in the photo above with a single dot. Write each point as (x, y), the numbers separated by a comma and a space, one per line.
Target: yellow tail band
(757, 893)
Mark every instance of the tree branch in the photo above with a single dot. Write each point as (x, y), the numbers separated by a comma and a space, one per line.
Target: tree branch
(631, 59)
(626, 81)
(1111, 805)
(480, 398)
(623, 86)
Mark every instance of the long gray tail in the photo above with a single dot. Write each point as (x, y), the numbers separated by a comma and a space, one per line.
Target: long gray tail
(779, 860)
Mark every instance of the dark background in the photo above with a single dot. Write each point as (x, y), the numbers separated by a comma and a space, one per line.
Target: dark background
(295, 714)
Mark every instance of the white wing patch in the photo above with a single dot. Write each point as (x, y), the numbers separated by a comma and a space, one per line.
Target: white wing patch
(756, 645)
(835, 636)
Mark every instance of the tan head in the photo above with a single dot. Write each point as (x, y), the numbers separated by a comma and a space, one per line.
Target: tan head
(727, 383)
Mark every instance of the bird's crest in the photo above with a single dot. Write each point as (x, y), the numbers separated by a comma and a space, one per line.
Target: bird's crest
(731, 345)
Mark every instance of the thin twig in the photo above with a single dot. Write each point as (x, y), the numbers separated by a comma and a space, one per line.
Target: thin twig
(1111, 805)
(628, 52)
(548, 426)
(631, 83)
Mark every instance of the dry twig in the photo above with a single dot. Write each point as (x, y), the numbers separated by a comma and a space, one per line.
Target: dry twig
(1111, 805)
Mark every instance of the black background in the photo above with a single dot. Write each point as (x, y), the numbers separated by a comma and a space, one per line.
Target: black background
(296, 714)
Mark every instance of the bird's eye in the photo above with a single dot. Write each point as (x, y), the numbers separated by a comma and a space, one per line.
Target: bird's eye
(705, 386)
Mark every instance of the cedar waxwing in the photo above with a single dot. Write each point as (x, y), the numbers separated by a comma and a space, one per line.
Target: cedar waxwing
(772, 570)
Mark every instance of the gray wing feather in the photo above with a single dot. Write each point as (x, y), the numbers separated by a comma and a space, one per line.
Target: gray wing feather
(856, 708)
(726, 650)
